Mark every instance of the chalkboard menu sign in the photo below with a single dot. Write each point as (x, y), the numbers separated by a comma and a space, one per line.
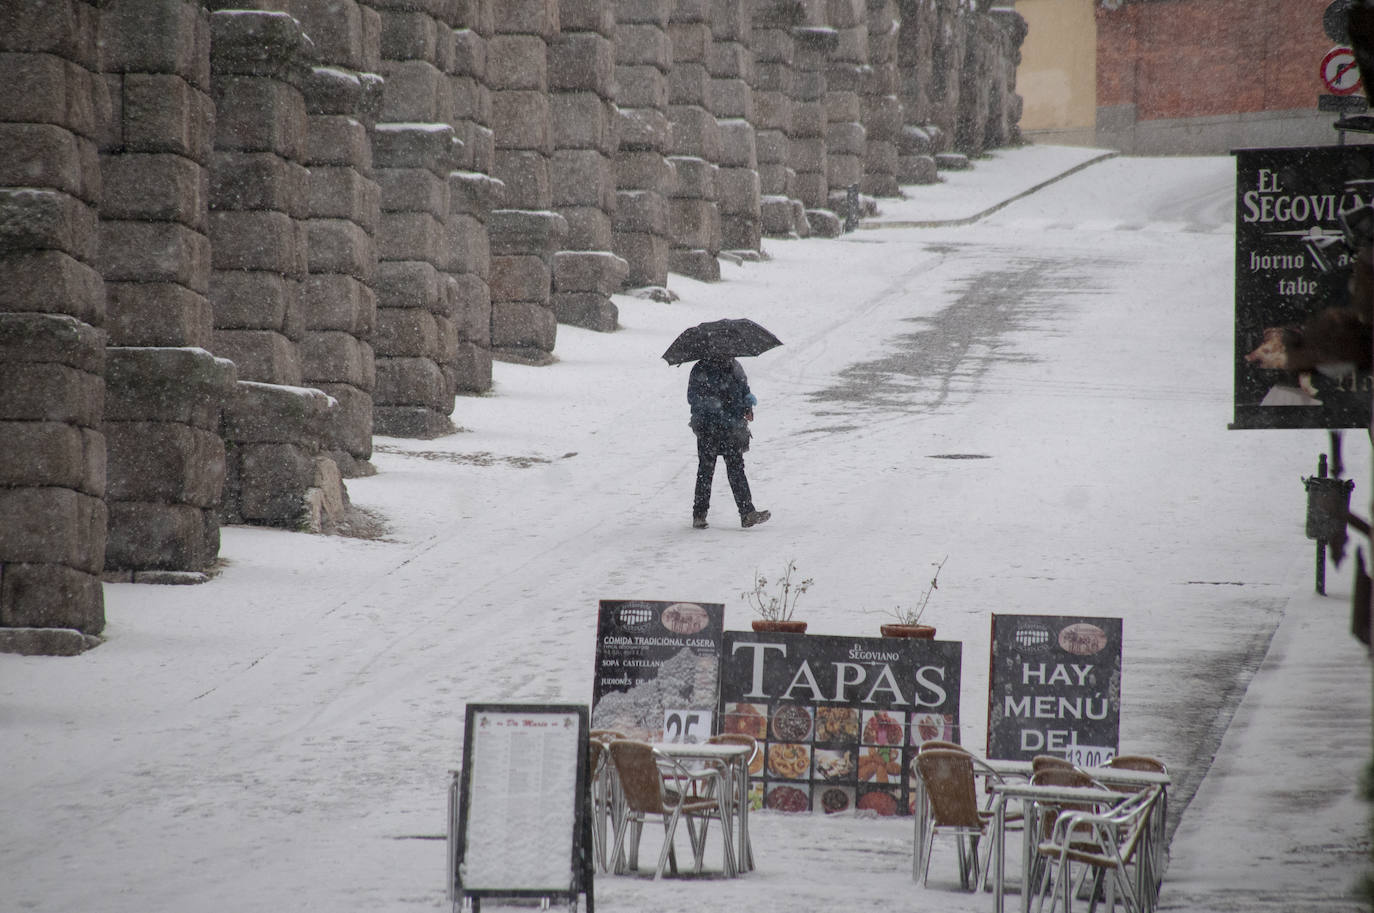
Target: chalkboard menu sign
(1055, 688)
(657, 668)
(1295, 211)
(519, 824)
(839, 718)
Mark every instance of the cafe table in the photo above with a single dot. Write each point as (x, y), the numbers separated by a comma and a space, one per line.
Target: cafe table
(1108, 776)
(1015, 787)
(1116, 777)
(733, 760)
(1031, 796)
(1111, 777)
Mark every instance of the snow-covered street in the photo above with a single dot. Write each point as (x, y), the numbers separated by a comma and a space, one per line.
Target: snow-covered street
(281, 737)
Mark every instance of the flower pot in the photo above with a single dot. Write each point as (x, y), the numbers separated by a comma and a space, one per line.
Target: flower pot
(925, 632)
(764, 625)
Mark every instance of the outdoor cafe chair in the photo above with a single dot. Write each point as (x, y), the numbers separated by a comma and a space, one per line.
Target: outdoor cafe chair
(1104, 845)
(741, 797)
(940, 743)
(1062, 776)
(735, 738)
(1155, 862)
(982, 769)
(651, 783)
(1047, 761)
(952, 805)
(604, 792)
(739, 738)
(1048, 813)
(1138, 762)
(596, 763)
(1066, 776)
(741, 790)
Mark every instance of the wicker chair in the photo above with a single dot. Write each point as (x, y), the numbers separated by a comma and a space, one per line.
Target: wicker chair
(940, 743)
(948, 776)
(1152, 871)
(652, 783)
(1104, 845)
(1045, 762)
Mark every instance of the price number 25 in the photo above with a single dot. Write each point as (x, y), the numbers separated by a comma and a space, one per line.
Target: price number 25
(687, 726)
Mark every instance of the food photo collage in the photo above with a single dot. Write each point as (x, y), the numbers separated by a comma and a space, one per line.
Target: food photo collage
(833, 759)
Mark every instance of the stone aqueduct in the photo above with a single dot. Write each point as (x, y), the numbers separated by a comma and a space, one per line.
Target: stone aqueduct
(236, 242)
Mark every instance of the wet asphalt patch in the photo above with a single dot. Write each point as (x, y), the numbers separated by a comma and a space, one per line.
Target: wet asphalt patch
(943, 361)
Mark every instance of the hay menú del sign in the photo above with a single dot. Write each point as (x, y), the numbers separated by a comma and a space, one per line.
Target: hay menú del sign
(1054, 688)
(839, 718)
(1293, 260)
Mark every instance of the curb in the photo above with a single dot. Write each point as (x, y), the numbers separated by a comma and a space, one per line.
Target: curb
(969, 220)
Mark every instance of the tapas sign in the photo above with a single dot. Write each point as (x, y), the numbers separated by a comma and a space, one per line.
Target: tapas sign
(1339, 73)
(839, 719)
(518, 819)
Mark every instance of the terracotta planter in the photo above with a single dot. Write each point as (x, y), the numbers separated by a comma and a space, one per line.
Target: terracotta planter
(925, 632)
(763, 625)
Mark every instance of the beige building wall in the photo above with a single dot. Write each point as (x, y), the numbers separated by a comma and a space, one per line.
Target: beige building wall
(1057, 78)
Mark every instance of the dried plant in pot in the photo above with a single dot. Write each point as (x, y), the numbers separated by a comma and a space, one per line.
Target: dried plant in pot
(775, 607)
(908, 619)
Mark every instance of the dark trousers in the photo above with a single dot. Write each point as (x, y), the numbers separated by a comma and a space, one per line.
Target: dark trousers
(708, 448)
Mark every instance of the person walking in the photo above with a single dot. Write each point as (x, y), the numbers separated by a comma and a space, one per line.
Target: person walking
(722, 408)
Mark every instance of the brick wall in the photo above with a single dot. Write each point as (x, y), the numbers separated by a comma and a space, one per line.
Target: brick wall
(1198, 58)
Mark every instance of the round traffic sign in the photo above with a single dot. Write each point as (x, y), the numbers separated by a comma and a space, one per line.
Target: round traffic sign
(1336, 19)
(1339, 73)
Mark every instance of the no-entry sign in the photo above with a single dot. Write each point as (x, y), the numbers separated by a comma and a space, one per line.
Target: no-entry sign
(1339, 73)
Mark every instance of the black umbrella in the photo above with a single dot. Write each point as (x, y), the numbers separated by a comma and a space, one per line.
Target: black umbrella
(727, 338)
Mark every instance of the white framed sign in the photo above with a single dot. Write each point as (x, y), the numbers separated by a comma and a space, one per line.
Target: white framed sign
(520, 825)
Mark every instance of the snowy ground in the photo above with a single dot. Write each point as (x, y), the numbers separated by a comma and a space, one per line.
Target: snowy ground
(281, 737)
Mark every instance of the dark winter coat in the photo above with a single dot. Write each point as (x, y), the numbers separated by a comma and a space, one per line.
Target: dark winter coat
(718, 392)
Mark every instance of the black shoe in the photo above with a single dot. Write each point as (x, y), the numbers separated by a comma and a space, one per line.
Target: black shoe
(753, 518)
(699, 521)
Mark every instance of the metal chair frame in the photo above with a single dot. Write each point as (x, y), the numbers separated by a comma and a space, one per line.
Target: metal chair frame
(605, 792)
(741, 797)
(1104, 844)
(652, 783)
(952, 797)
(1155, 863)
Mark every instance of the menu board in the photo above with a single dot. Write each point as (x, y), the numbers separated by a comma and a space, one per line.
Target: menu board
(520, 827)
(839, 718)
(657, 663)
(1300, 214)
(1054, 688)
